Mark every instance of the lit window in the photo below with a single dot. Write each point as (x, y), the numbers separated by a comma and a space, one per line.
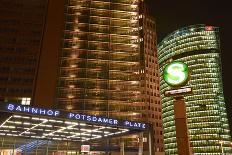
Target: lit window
(26, 101)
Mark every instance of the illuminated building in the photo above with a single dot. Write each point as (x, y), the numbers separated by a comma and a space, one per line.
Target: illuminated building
(100, 55)
(108, 62)
(149, 81)
(197, 46)
(104, 53)
(33, 130)
(21, 30)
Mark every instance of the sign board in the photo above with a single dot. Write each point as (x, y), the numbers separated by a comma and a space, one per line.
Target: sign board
(176, 74)
(177, 92)
(85, 148)
(11, 107)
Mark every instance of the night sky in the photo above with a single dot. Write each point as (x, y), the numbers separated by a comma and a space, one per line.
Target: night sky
(172, 15)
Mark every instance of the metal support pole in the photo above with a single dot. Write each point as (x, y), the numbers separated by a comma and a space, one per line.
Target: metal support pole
(183, 145)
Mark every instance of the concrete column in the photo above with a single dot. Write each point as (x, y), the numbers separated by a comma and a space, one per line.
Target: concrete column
(151, 142)
(122, 147)
(182, 138)
(140, 143)
(107, 151)
(47, 147)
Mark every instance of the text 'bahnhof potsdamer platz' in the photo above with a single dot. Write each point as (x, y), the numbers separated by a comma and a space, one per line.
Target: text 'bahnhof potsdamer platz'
(96, 57)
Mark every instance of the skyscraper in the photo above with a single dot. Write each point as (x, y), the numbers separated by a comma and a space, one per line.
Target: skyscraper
(101, 54)
(21, 33)
(149, 81)
(198, 46)
(108, 62)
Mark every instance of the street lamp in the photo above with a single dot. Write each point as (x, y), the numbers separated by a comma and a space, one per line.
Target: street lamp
(221, 143)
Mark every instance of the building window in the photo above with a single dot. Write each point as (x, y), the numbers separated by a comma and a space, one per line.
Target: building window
(26, 101)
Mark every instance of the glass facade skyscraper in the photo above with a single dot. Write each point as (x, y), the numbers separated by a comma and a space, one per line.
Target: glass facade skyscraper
(100, 58)
(104, 50)
(107, 62)
(198, 46)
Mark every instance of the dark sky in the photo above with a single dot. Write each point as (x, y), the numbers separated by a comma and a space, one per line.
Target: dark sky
(171, 15)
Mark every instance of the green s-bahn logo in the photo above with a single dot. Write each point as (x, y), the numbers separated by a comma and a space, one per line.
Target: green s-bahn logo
(176, 74)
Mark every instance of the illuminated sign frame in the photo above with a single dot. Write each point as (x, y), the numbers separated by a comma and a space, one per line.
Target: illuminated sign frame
(178, 92)
(11, 107)
(176, 74)
(85, 148)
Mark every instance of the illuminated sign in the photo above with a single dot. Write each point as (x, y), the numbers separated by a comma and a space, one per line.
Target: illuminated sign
(134, 124)
(90, 118)
(176, 74)
(75, 116)
(32, 110)
(85, 148)
(177, 91)
(209, 28)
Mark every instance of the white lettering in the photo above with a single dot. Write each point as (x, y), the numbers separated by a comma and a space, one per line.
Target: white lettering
(10, 107)
(105, 120)
(18, 108)
(110, 121)
(143, 126)
(70, 115)
(99, 120)
(115, 121)
(26, 109)
(77, 116)
(126, 123)
(94, 119)
(83, 117)
(42, 111)
(57, 113)
(135, 124)
(34, 110)
(88, 118)
(50, 112)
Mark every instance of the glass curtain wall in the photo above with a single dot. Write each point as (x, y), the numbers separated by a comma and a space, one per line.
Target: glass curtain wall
(197, 46)
(100, 58)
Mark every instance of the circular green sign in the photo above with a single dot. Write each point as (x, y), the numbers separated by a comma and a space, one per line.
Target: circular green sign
(176, 74)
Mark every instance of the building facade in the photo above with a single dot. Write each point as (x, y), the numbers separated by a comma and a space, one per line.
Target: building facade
(88, 56)
(107, 62)
(21, 33)
(149, 81)
(100, 58)
(198, 46)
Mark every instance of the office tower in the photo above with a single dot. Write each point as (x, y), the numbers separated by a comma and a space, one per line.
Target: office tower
(150, 81)
(198, 46)
(108, 61)
(99, 64)
(21, 32)
(104, 53)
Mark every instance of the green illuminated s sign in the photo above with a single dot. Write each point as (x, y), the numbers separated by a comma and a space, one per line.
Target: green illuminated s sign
(176, 74)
